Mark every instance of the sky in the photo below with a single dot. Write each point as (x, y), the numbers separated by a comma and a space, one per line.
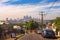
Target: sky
(19, 8)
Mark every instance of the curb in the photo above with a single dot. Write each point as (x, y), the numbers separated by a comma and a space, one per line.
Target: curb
(19, 37)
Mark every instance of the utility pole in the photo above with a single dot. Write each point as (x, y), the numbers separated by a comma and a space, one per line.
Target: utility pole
(42, 18)
(42, 13)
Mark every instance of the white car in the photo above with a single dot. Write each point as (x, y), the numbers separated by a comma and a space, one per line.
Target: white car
(39, 31)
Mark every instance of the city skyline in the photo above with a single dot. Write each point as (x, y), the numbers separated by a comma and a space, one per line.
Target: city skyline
(20, 8)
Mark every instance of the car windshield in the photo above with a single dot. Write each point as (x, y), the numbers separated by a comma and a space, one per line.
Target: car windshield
(49, 31)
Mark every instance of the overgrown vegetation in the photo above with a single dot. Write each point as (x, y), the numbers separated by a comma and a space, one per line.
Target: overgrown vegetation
(57, 22)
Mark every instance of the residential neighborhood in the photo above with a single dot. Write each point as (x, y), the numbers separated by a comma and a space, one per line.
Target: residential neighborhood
(29, 19)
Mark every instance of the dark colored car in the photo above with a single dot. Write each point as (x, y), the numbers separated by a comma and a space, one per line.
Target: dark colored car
(48, 34)
(22, 31)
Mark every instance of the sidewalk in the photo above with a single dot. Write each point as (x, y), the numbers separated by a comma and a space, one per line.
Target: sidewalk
(18, 36)
(57, 36)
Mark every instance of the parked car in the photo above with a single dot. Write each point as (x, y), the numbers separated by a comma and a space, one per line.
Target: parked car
(38, 31)
(48, 34)
(22, 31)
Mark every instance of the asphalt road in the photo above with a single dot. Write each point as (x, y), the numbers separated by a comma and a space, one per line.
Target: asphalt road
(34, 37)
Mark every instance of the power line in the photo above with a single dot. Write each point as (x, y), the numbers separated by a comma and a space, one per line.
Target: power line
(52, 4)
(48, 10)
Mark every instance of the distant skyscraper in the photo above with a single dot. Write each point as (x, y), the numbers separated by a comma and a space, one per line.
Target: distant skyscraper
(6, 19)
(26, 18)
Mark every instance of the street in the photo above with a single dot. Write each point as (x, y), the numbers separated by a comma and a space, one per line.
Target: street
(34, 37)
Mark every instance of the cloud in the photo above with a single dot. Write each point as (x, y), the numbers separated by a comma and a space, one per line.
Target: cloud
(9, 0)
(4, 0)
(18, 11)
(57, 4)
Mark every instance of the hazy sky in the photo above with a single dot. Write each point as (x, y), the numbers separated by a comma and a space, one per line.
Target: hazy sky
(19, 8)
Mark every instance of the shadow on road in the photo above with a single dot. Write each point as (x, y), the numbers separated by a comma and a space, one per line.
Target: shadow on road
(53, 38)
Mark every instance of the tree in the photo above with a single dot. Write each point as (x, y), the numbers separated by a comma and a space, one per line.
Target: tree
(41, 25)
(19, 24)
(28, 24)
(0, 27)
(57, 22)
(31, 25)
